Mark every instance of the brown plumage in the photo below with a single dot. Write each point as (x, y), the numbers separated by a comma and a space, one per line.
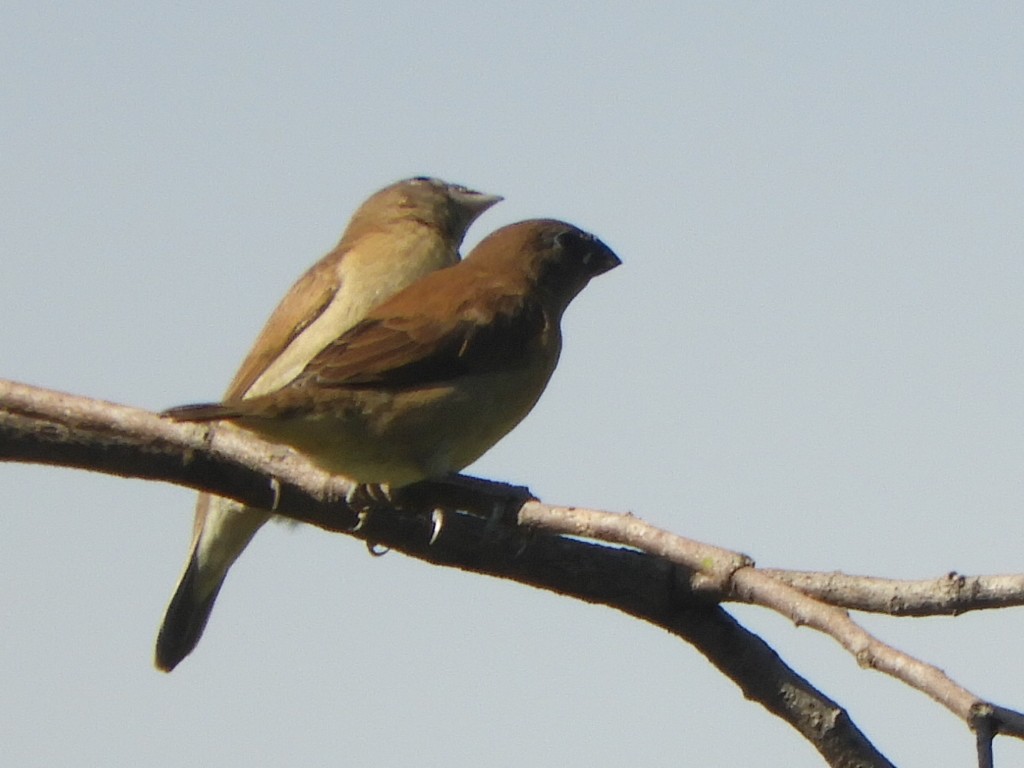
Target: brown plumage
(430, 379)
(397, 236)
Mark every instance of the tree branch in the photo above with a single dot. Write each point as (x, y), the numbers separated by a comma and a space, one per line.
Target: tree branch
(948, 595)
(500, 530)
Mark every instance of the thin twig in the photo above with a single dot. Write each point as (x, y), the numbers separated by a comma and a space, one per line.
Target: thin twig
(948, 595)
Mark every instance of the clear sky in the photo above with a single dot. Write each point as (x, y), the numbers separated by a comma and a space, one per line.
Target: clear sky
(812, 353)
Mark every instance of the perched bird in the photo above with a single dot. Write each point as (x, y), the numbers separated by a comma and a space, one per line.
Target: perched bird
(433, 377)
(397, 236)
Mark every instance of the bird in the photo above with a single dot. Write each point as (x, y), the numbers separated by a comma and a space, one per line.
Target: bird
(399, 234)
(433, 377)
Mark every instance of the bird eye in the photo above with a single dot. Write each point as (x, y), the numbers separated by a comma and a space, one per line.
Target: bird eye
(565, 239)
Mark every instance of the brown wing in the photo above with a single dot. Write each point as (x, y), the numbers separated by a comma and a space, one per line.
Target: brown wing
(300, 307)
(416, 349)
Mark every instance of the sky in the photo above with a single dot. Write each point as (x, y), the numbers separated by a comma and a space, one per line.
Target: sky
(812, 354)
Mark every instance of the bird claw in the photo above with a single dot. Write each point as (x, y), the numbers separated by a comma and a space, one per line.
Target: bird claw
(361, 518)
(369, 496)
(376, 550)
(436, 524)
(365, 499)
(373, 547)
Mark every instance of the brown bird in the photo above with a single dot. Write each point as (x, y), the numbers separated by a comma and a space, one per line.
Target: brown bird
(436, 375)
(397, 236)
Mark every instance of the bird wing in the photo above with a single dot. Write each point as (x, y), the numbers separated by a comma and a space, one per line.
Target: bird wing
(300, 307)
(416, 349)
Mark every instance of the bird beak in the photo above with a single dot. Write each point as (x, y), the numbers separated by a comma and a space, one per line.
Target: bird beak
(606, 261)
(477, 202)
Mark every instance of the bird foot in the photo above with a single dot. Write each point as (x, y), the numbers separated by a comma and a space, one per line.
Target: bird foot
(367, 497)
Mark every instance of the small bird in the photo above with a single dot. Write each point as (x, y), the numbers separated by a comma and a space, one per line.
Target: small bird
(433, 377)
(397, 236)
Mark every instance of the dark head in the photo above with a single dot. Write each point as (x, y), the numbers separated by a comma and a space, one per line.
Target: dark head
(557, 258)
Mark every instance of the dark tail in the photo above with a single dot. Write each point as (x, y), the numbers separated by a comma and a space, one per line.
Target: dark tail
(185, 619)
(202, 412)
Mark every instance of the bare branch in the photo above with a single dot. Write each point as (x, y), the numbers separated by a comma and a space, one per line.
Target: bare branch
(765, 589)
(713, 567)
(765, 678)
(761, 589)
(496, 529)
(948, 595)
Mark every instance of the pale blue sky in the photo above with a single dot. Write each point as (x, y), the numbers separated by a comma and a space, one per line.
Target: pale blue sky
(812, 353)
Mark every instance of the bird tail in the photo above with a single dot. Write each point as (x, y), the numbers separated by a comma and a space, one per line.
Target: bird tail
(202, 412)
(186, 617)
(223, 529)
